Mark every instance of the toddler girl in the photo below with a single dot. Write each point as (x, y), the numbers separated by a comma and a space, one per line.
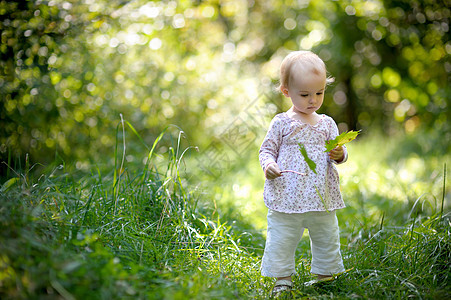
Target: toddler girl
(292, 197)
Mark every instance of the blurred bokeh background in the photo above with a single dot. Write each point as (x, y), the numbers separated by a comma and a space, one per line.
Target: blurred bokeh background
(69, 68)
(75, 75)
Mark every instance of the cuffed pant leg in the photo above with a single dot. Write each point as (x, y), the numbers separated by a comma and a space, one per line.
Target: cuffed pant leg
(284, 234)
(325, 244)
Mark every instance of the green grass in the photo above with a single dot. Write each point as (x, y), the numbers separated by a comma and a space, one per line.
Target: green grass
(142, 232)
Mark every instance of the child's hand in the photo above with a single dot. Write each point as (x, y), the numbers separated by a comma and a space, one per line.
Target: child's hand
(337, 154)
(272, 171)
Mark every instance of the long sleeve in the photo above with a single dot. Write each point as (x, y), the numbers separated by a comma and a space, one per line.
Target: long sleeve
(269, 149)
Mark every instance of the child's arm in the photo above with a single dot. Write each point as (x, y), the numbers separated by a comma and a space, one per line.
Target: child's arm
(269, 150)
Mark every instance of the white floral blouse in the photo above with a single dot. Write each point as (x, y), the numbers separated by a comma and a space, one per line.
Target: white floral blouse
(291, 192)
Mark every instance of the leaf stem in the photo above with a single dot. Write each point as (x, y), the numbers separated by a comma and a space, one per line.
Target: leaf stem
(284, 171)
(322, 199)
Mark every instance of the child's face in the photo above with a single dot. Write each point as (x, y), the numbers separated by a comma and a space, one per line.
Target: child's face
(306, 91)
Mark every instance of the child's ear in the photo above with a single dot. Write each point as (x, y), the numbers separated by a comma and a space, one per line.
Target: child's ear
(284, 90)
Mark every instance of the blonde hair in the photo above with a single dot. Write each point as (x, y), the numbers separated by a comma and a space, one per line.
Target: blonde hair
(307, 60)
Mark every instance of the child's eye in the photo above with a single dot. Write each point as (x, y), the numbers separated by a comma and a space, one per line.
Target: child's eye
(319, 93)
(304, 95)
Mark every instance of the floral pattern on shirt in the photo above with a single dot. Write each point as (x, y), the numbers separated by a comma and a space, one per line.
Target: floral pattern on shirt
(293, 193)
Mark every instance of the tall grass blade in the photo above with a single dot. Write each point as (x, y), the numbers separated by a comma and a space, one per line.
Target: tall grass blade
(9, 162)
(443, 190)
(87, 206)
(149, 156)
(9, 183)
(115, 160)
(137, 134)
(121, 169)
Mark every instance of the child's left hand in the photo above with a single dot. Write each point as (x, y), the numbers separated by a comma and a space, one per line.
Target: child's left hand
(337, 154)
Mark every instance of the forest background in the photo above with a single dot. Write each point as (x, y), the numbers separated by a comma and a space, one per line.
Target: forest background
(70, 68)
(94, 85)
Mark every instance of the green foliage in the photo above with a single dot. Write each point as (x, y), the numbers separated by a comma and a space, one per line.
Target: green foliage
(123, 235)
(145, 234)
(69, 68)
(391, 263)
(311, 164)
(341, 139)
(41, 255)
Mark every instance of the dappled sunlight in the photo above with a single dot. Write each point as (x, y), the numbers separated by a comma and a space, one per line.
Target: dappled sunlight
(194, 64)
(130, 133)
(239, 191)
(391, 187)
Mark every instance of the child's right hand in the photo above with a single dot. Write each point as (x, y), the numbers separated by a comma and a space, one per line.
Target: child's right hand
(272, 171)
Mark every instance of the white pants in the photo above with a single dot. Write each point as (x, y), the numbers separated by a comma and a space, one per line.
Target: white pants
(285, 232)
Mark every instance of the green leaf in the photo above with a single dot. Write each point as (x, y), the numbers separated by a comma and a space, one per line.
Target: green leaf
(342, 139)
(311, 164)
(8, 184)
